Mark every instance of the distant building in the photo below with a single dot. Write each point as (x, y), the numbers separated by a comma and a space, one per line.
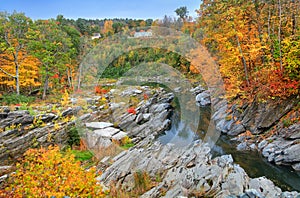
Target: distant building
(96, 36)
(142, 34)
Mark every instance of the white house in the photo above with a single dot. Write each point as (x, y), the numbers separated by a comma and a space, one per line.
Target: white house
(142, 34)
(96, 36)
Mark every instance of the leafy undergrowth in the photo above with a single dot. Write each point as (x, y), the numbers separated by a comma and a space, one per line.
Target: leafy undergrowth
(8, 99)
(51, 173)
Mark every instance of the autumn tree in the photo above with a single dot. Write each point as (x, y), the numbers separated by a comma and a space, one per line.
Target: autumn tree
(48, 172)
(108, 28)
(28, 73)
(13, 42)
(251, 40)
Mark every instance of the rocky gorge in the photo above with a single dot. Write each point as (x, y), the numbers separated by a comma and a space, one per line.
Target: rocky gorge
(176, 171)
(261, 126)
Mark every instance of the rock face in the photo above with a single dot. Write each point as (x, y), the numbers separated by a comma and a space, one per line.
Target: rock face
(15, 142)
(152, 117)
(257, 118)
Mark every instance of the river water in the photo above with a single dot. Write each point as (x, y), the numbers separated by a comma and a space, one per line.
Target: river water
(252, 161)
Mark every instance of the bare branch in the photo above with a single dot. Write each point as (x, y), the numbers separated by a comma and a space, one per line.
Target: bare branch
(5, 72)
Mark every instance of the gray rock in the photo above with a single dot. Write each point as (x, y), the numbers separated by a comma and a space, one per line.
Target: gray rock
(3, 178)
(146, 116)
(16, 114)
(71, 111)
(252, 193)
(203, 99)
(293, 194)
(46, 117)
(242, 146)
(128, 121)
(265, 187)
(114, 106)
(267, 150)
(227, 126)
(137, 91)
(159, 107)
(237, 129)
(120, 135)
(235, 181)
(178, 89)
(73, 100)
(291, 154)
(253, 147)
(102, 143)
(294, 131)
(262, 144)
(130, 92)
(3, 115)
(296, 166)
(197, 90)
(98, 125)
(106, 132)
(26, 119)
(95, 140)
(266, 114)
(139, 118)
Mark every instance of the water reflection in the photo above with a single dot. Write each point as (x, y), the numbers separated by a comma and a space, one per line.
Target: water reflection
(257, 166)
(179, 134)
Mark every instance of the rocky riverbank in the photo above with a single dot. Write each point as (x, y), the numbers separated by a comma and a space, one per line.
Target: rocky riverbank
(188, 171)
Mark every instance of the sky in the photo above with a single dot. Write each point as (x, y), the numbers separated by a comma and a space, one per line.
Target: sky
(99, 9)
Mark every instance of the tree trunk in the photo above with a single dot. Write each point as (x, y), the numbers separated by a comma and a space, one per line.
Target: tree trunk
(69, 76)
(294, 10)
(17, 80)
(79, 77)
(244, 60)
(45, 87)
(46, 84)
(17, 72)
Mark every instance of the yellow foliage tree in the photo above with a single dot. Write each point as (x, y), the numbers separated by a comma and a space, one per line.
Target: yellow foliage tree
(108, 28)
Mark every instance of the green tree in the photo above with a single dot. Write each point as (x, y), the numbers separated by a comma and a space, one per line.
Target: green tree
(53, 48)
(182, 12)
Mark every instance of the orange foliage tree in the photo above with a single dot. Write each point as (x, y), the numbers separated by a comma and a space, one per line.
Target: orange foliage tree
(28, 73)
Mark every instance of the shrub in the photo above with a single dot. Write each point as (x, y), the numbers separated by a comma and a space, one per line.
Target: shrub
(49, 173)
(74, 138)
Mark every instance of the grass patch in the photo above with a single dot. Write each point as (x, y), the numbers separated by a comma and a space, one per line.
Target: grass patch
(82, 155)
(127, 146)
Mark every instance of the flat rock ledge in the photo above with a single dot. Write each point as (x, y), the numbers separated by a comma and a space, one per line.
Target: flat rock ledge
(186, 172)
